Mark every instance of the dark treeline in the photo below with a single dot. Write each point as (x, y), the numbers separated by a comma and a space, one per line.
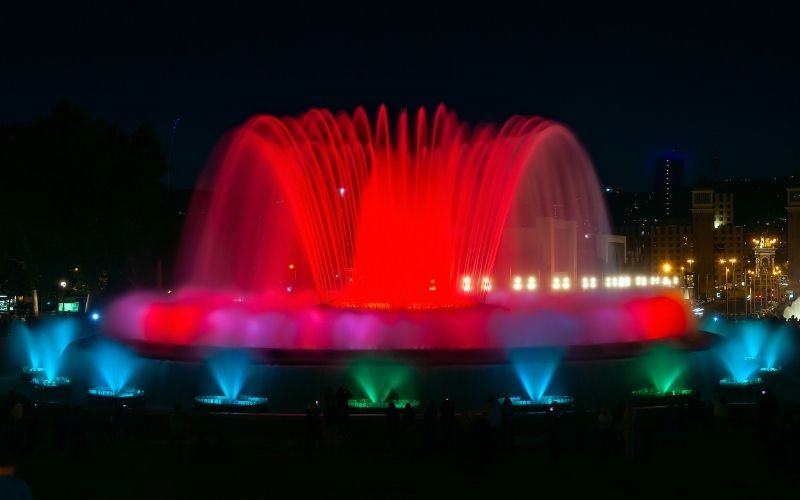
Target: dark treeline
(77, 192)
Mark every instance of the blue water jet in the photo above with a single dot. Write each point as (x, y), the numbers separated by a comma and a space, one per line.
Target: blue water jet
(737, 360)
(752, 345)
(44, 345)
(114, 365)
(778, 348)
(230, 370)
(535, 369)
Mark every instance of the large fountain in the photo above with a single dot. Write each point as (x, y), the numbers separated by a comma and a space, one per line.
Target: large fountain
(313, 238)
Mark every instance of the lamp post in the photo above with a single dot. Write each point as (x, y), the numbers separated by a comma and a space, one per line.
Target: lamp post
(727, 295)
(60, 303)
(733, 261)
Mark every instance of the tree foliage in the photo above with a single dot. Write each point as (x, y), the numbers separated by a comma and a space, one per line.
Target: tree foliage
(78, 192)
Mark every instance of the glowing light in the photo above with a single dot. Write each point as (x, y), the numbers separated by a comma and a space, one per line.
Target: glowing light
(560, 283)
(531, 284)
(666, 267)
(517, 283)
(62, 284)
(487, 284)
(466, 284)
(341, 192)
(95, 316)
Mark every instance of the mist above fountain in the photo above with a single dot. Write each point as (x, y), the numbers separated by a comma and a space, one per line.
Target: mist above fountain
(329, 232)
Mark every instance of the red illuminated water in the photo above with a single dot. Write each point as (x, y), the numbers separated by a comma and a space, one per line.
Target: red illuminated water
(299, 220)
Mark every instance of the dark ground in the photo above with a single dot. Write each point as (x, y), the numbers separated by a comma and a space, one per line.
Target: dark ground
(676, 452)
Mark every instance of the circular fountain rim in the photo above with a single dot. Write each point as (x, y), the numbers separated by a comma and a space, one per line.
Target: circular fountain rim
(654, 393)
(221, 403)
(747, 382)
(108, 393)
(366, 405)
(546, 402)
(47, 384)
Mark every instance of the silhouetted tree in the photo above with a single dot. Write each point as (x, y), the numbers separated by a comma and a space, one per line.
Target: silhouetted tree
(80, 193)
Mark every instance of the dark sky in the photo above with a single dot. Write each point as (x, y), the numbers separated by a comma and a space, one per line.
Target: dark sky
(631, 80)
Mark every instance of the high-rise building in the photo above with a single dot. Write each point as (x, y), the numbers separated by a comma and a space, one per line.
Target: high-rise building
(669, 189)
(670, 245)
(793, 240)
(723, 209)
(703, 240)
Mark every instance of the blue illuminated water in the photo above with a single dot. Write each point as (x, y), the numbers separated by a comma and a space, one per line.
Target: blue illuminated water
(230, 370)
(535, 369)
(114, 365)
(42, 346)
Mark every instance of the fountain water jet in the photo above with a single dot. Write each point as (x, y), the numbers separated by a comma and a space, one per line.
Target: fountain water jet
(43, 346)
(326, 233)
(115, 366)
(230, 370)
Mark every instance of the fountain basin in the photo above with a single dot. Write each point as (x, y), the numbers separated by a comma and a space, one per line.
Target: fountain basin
(240, 404)
(29, 372)
(650, 396)
(51, 388)
(746, 390)
(129, 396)
(368, 406)
(523, 404)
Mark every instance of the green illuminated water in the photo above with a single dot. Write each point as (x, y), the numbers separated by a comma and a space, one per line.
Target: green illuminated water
(664, 367)
(377, 378)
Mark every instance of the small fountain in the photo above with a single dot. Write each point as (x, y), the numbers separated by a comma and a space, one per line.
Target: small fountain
(535, 369)
(43, 348)
(230, 370)
(114, 367)
(380, 379)
(664, 367)
(752, 355)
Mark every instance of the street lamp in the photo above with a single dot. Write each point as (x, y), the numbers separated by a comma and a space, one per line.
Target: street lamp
(727, 296)
(690, 262)
(733, 261)
(60, 302)
(666, 267)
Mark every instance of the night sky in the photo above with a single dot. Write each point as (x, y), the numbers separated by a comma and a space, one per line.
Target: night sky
(632, 81)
